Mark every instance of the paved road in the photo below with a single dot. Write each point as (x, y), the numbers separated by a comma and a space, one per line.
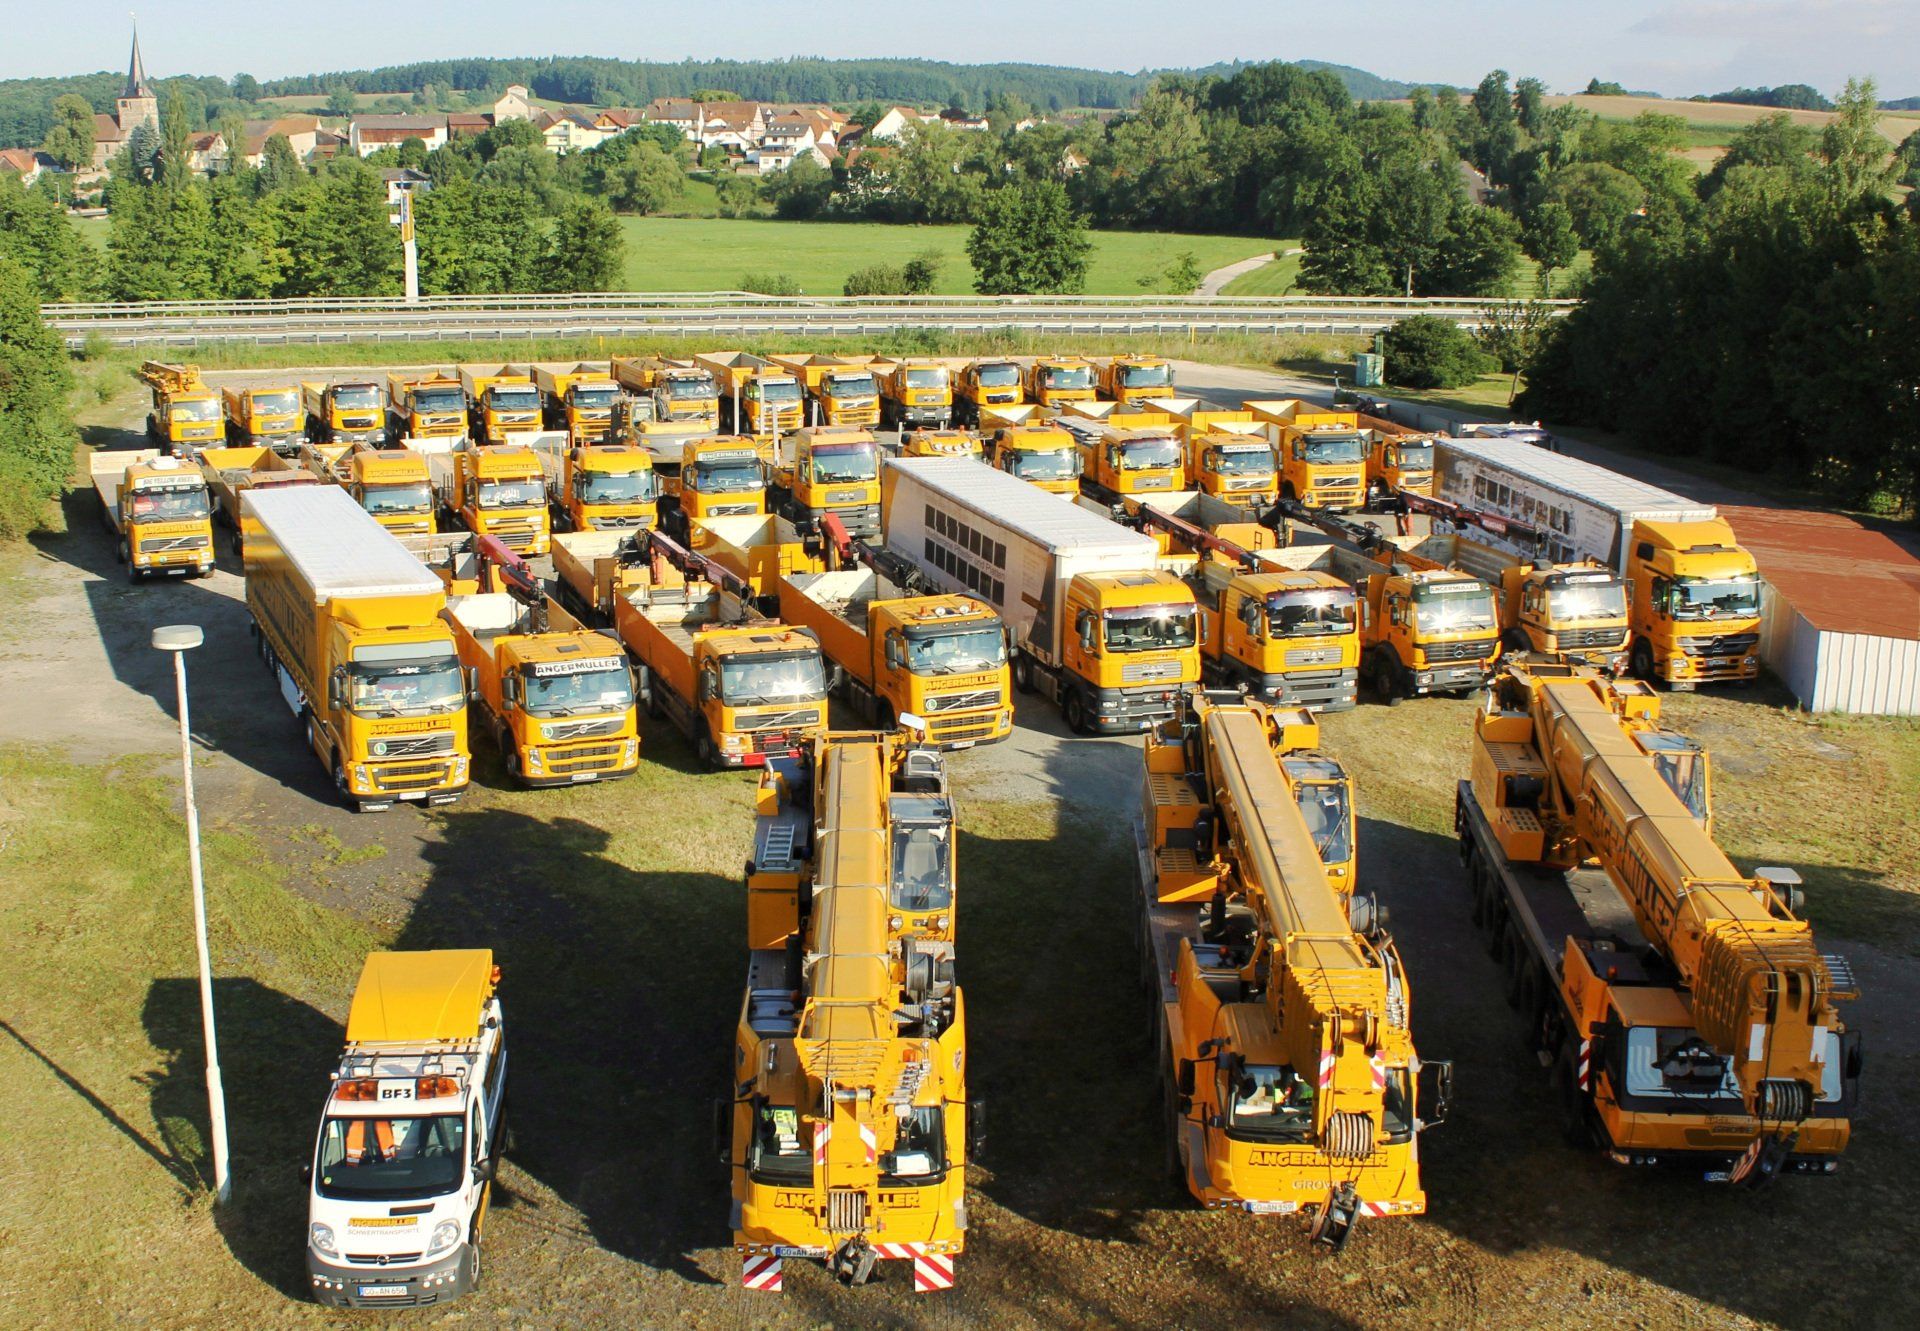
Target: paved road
(1210, 284)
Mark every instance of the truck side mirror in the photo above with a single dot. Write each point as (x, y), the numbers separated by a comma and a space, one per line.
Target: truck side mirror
(1187, 1076)
(337, 688)
(483, 1170)
(1439, 1095)
(976, 1128)
(473, 682)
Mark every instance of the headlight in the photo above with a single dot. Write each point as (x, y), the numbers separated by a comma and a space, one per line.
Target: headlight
(445, 1235)
(460, 768)
(733, 741)
(359, 775)
(535, 761)
(321, 1237)
(1678, 663)
(1753, 660)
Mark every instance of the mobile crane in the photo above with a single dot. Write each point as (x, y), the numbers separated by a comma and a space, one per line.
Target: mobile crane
(1291, 1080)
(186, 413)
(847, 1126)
(1688, 1015)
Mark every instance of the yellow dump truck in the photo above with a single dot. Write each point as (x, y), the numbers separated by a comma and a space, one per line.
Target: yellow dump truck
(917, 391)
(1054, 381)
(848, 1123)
(598, 486)
(841, 390)
(680, 390)
(556, 696)
(986, 383)
(270, 414)
(158, 510)
(1041, 454)
(186, 413)
(232, 472)
(829, 469)
(501, 402)
(1322, 454)
(425, 406)
(492, 490)
(761, 399)
(579, 401)
(349, 622)
(1144, 456)
(724, 476)
(1128, 379)
(395, 485)
(346, 412)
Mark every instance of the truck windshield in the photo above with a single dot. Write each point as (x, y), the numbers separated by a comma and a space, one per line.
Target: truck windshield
(1716, 598)
(605, 688)
(926, 378)
(919, 1154)
(1682, 764)
(1146, 376)
(780, 1154)
(1240, 461)
(727, 477)
(922, 865)
(998, 376)
(416, 686)
(391, 1159)
(747, 681)
(1453, 607)
(1149, 454)
(1413, 457)
(782, 391)
(837, 464)
(275, 404)
(434, 400)
(851, 385)
(196, 409)
(1323, 807)
(178, 505)
(1575, 602)
(356, 399)
(954, 650)
(1333, 449)
(1060, 465)
(626, 487)
(398, 499)
(1070, 376)
(595, 399)
(688, 385)
(1266, 1102)
(1149, 628)
(518, 398)
(511, 494)
(1309, 614)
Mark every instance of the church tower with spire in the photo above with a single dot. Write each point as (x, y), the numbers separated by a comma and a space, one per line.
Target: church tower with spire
(137, 104)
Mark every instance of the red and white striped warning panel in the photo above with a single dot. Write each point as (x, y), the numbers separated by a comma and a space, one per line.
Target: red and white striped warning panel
(932, 1271)
(761, 1273)
(894, 1252)
(1327, 1061)
(1584, 1071)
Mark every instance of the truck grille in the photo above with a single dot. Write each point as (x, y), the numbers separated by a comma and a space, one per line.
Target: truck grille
(152, 545)
(414, 746)
(621, 523)
(1474, 649)
(963, 728)
(383, 1259)
(358, 423)
(1728, 644)
(606, 725)
(952, 702)
(1302, 656)
(1613, 639)
(845, 496)
(411, 776)
(732, 510)
(1339, 483)
(1146, 483)
(584, 758)
(1149, 670)
(780, 720)
(846, 1211)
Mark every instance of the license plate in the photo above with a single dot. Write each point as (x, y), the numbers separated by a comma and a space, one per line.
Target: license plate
(381, 1291)
(785, 1251)
(1719, 1176)
(583, 776)
(1273, 1208)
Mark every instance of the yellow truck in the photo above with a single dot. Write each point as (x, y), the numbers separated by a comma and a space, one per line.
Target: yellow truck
(349, 623)
(917, 391)
(760, 551)
(232, 472)
(501, 403)
(762, 399)
(847, 1119)
(556, 696)
(1233, 466)
(1145, 456)
(1129, 379)
(270, 414)
(1695, 604)
(345, 412)
(599, 486)
(492, 490)
(680, 390)
(1054, 381)
(939, 443)
(186, 413)
(1097, 625)
(742, 687)
(1291, 1084)
(986, 383)
(394, 485)
(425, 406)
(415, 1122)
(158, 510)
(1399, 461)
(579, 400)
(1322, 454)
(722, 476)
(841, 390)
(902, 649)
(829, 469)
(1041, 454)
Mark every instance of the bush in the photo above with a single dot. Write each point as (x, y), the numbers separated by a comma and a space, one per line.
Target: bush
(1429, 352)
(770, 284)
(922, 273)
(882, 279)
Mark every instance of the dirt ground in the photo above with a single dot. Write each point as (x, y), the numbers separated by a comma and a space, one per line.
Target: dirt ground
(616, 915)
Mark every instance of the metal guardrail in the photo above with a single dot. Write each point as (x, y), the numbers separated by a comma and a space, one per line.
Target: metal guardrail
(323, 319)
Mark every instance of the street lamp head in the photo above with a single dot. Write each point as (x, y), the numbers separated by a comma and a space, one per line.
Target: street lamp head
(178, 637)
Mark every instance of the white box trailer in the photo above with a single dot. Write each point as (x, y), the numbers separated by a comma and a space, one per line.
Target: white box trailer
(1585, 510)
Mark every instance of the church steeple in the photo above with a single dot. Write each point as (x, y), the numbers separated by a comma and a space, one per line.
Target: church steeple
(136, 72)
(138, 105)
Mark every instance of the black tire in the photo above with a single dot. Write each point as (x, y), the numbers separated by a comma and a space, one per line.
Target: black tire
(340, 782)
(510, 755)
(1642, 660)
(1386, 681)
(884, 717)
(1516, 640)
(473, 1262)
(704, 747)
(1516, 963)
(1074, 708)
(655, 708)
(1023, 672)
(1574, 1102)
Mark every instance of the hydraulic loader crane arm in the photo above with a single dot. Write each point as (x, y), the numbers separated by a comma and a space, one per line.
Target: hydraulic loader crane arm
(850, 550)
(650, 543)
(1195, 538)
(1462, 516)
(169, 377)
(512, 575)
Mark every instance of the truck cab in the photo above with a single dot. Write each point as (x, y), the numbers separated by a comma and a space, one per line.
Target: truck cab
(1042, 455)
(1429, 631)
(1695, 603)
(1234, 467)
(1398, 463)
(770, 404)
(1134, 460)
(599, 487)
(1322, 455)
(1131, 641)
(496, 490)
(1129, 379)
(186, 413)
(270, 415)
(916, 393)
(828, 469)
(432, 406)
(395, 486)
(1053, 382)
(579, 401)
(680, 390)
(1283, 636)
(1574, 612)
(721, 477)
(411, 1134)
(159, 509)
(986, 383)
(344, 413)
(501, 403)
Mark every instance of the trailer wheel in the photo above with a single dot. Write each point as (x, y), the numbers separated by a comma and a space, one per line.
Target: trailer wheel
(1023, 672)
(1516, 961)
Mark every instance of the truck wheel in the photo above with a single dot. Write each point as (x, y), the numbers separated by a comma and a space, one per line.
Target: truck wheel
(1573, 1101)
(340, 784)
(885, 718)
(1643, 660)
(651, 688)
(1023, 672)
(1386, 681)
(511, 756)
(1074, 707)
(1516, 640)
(704, 748)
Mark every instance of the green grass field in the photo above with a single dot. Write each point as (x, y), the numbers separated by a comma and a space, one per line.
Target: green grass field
(1269, 279)
(712, 254)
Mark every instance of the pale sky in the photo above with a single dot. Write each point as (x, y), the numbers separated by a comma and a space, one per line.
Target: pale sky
(1677, 47)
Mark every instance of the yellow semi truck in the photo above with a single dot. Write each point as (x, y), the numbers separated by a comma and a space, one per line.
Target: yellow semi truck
(722, 476)
(1054, 381)
(270, 415)
(344, 412)
(349, 622)
(847, 1120)
(599, 486)
(841, 390)
(394, 485)
(759, 398)
(158, 510)
(1322, 455)
(556, 696)
(1285, 1048)
(680, 390)
(185, 414)
(829, 469)
(916, 392)
(1143, 456)
(986, 383)
(1041, 454)
(1133, 378)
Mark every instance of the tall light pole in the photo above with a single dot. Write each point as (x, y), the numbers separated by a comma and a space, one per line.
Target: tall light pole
(180, 639)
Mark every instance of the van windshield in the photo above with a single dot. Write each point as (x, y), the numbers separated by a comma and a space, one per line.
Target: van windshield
(391, 1159)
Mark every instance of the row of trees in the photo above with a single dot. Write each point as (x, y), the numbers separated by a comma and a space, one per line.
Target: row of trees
(36, 430)
(1768, 319)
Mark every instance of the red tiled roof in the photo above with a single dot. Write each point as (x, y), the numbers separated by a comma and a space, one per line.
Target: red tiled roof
(1840, 574)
